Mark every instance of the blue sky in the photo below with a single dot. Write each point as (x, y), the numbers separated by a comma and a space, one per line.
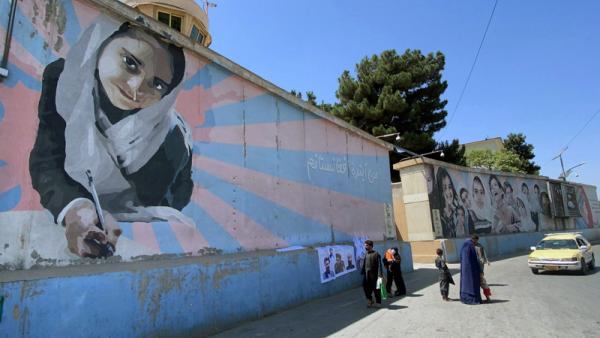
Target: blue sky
(538, 71)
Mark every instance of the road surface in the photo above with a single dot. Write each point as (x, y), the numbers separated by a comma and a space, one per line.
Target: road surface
(524, 305)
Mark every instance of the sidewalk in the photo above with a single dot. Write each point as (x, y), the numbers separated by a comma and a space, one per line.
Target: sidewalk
(329, 315)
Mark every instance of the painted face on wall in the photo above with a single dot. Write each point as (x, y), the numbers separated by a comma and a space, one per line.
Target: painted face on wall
(460, 217)
(522, 211)
(496, 191)
(545, 202)
(135, 70)
(536, 190)
(429, 178)
(447, 188)
(464, 197)
(478, 193)
(508, 192)
(525, 190)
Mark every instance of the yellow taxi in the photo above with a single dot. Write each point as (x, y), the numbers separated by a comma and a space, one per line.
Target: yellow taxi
(562, 251)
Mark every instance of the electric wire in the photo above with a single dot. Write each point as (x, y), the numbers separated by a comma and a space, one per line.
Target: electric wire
(472, 66)
(582, 128)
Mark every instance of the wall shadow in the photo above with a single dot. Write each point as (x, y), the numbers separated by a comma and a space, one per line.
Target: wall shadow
(325, 316)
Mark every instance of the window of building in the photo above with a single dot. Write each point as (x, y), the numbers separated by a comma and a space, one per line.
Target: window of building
(196, 35)
(171, 20)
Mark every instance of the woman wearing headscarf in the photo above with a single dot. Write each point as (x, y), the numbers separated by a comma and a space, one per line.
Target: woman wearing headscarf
(470, 274)
(448, 202)
(108, 108)
(505, 218)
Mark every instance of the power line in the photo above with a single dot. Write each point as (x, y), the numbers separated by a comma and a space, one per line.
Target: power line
(472, 66)
(577, 134)
(582, 128)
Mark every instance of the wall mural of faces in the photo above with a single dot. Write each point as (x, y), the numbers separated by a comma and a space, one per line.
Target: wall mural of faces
(472, 203)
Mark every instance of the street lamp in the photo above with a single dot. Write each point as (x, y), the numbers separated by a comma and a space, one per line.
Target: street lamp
(568, 172)
(565, 173)
(400, 150)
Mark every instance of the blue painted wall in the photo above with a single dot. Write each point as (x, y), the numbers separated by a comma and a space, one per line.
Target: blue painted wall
(204, 295)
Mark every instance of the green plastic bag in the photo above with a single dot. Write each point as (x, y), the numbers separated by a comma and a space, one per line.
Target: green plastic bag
(383, 292)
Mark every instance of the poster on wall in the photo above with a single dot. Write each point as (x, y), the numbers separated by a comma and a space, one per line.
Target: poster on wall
(464, 203)
(390, 225)
(556, 195)
(571, 201)
(335, 261)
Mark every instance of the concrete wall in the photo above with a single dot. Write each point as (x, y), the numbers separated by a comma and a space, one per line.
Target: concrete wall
(446, 201)
(253, 167)
(183, 297)
(502, 245)
(416, 203)
(201, 179)
(399, 211)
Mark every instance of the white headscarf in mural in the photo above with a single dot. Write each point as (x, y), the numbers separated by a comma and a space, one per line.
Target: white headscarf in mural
(134, 139)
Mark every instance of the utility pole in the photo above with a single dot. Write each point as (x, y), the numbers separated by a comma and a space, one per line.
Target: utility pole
(561, 162)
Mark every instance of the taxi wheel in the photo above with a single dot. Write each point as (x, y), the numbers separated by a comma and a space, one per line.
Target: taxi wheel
(592, 263)
(535, 271)
(584, 267)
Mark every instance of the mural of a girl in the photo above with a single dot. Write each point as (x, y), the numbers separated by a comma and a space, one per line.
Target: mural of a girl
(480, 224)
(108, 107)
(546, 220)
(526, 221)
(505, 217)
(448, 202)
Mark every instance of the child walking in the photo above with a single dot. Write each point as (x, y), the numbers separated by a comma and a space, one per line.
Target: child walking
(445, 277)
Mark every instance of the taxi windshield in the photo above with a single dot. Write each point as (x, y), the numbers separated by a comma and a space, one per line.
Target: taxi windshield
(557, 244)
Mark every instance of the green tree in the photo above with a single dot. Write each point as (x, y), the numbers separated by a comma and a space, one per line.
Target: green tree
(311, 98)
(296, 94)
(500, 161)
(453, 152)
(516, 144)
(394, 93)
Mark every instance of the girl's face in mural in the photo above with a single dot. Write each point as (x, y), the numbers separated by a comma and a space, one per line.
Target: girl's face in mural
(460, 217)
(447, 186)
(546, 209)
(464, 197)
(429, 178)
(135, 70)
(522, 211)
(496, 191)
(478, 194)
(508, 193)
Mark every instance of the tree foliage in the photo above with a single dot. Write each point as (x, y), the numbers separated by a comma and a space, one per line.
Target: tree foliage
(394, 93)
(500, 161)
(454, 152)
(516, 143)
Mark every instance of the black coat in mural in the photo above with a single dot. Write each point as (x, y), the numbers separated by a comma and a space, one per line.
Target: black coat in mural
(108, 107)
(165, 180)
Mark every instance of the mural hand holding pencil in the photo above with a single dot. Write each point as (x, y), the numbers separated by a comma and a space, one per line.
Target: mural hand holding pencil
(86, 237)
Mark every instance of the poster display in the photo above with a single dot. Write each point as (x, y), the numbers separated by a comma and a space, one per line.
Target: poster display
(557, 199)
(335, 261)
(571, 201)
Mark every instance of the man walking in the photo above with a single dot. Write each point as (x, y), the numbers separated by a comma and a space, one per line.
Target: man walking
(371, 271)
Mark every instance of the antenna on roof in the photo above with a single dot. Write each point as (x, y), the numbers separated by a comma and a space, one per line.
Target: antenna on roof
(208, 5)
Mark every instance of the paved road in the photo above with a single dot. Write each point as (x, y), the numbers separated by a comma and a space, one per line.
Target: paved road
(525, 305)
